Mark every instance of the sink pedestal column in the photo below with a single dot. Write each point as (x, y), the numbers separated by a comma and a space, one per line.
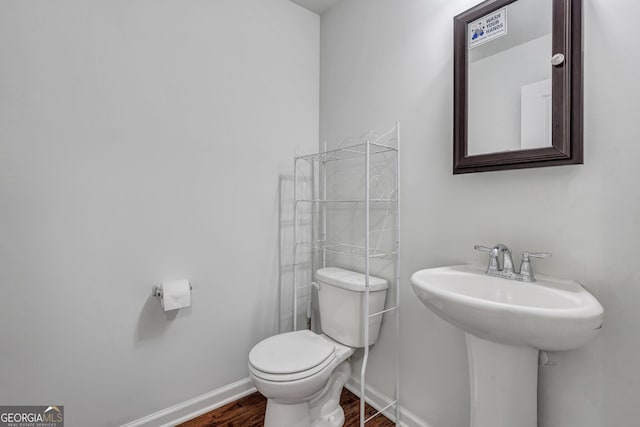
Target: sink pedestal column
(504, 384)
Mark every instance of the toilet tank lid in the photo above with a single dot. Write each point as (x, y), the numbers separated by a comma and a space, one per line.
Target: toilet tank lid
(350, 280)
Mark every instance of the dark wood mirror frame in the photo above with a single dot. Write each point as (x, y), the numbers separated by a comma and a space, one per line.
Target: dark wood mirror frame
(566, 98)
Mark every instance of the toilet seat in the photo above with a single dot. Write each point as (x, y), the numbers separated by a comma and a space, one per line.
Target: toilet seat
(291, 356)
(294, 376)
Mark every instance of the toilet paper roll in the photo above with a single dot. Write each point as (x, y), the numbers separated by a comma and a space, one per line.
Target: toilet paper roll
(176, 294)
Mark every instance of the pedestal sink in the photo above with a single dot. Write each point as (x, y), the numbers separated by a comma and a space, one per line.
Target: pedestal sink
(507, 322)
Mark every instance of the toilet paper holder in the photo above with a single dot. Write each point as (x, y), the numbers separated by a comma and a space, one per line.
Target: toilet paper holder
(156, 291)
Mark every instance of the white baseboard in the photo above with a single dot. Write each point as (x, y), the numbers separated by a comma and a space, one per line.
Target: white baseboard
(379, 400)
(195, 407)
(214, 399)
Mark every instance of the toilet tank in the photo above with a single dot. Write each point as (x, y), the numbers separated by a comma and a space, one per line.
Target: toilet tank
(341, 296)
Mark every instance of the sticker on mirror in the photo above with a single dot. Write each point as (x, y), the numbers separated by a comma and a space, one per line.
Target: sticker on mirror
(487, 28)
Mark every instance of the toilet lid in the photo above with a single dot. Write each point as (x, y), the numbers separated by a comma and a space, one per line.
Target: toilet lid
(290, 352)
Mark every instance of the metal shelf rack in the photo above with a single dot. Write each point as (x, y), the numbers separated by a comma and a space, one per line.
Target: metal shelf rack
(372, 146)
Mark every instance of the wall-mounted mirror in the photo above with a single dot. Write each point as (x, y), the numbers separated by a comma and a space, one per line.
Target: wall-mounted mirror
(517, 85)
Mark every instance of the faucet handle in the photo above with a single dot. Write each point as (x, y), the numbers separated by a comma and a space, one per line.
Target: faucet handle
(525, 267)
(494, 265)
(540, 255)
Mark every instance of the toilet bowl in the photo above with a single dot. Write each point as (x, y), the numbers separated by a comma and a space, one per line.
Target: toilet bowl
(302, 373)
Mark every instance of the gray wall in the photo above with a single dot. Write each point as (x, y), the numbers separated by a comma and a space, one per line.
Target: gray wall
(140, 142)
(383, 61)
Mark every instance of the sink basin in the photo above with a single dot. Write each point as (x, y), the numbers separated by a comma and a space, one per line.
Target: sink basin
(507, 322)
(548, 314)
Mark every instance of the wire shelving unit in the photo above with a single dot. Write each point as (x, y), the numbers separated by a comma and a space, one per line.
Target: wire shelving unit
(318, 206)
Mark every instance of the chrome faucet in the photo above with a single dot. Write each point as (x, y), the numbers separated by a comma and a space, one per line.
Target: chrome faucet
(507, 271)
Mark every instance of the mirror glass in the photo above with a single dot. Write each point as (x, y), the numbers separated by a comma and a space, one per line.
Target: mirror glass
(509, 100)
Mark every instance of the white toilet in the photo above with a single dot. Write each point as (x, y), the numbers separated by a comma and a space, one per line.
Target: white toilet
(302, 373)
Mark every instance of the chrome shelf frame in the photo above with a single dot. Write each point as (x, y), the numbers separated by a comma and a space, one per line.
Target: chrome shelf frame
(346, 201)
(372, 146)
(367, 148)
(346, 249)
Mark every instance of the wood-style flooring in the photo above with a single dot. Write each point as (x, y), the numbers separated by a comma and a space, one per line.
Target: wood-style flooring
(249, 412)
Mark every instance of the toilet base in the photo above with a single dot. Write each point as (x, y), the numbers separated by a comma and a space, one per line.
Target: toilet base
(283, 414)
(322, 410)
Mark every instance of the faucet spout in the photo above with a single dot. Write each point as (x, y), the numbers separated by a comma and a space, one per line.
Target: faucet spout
(497, 251)
(500, 250)
(507, 262)
(507, 259)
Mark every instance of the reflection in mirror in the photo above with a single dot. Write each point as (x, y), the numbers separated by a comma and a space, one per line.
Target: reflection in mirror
(509, 78)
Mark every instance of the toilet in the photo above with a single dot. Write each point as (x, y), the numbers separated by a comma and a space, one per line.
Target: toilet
(302, 373)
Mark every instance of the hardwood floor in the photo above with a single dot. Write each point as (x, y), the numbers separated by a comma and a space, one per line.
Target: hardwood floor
(351, 405)
(249, 412)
